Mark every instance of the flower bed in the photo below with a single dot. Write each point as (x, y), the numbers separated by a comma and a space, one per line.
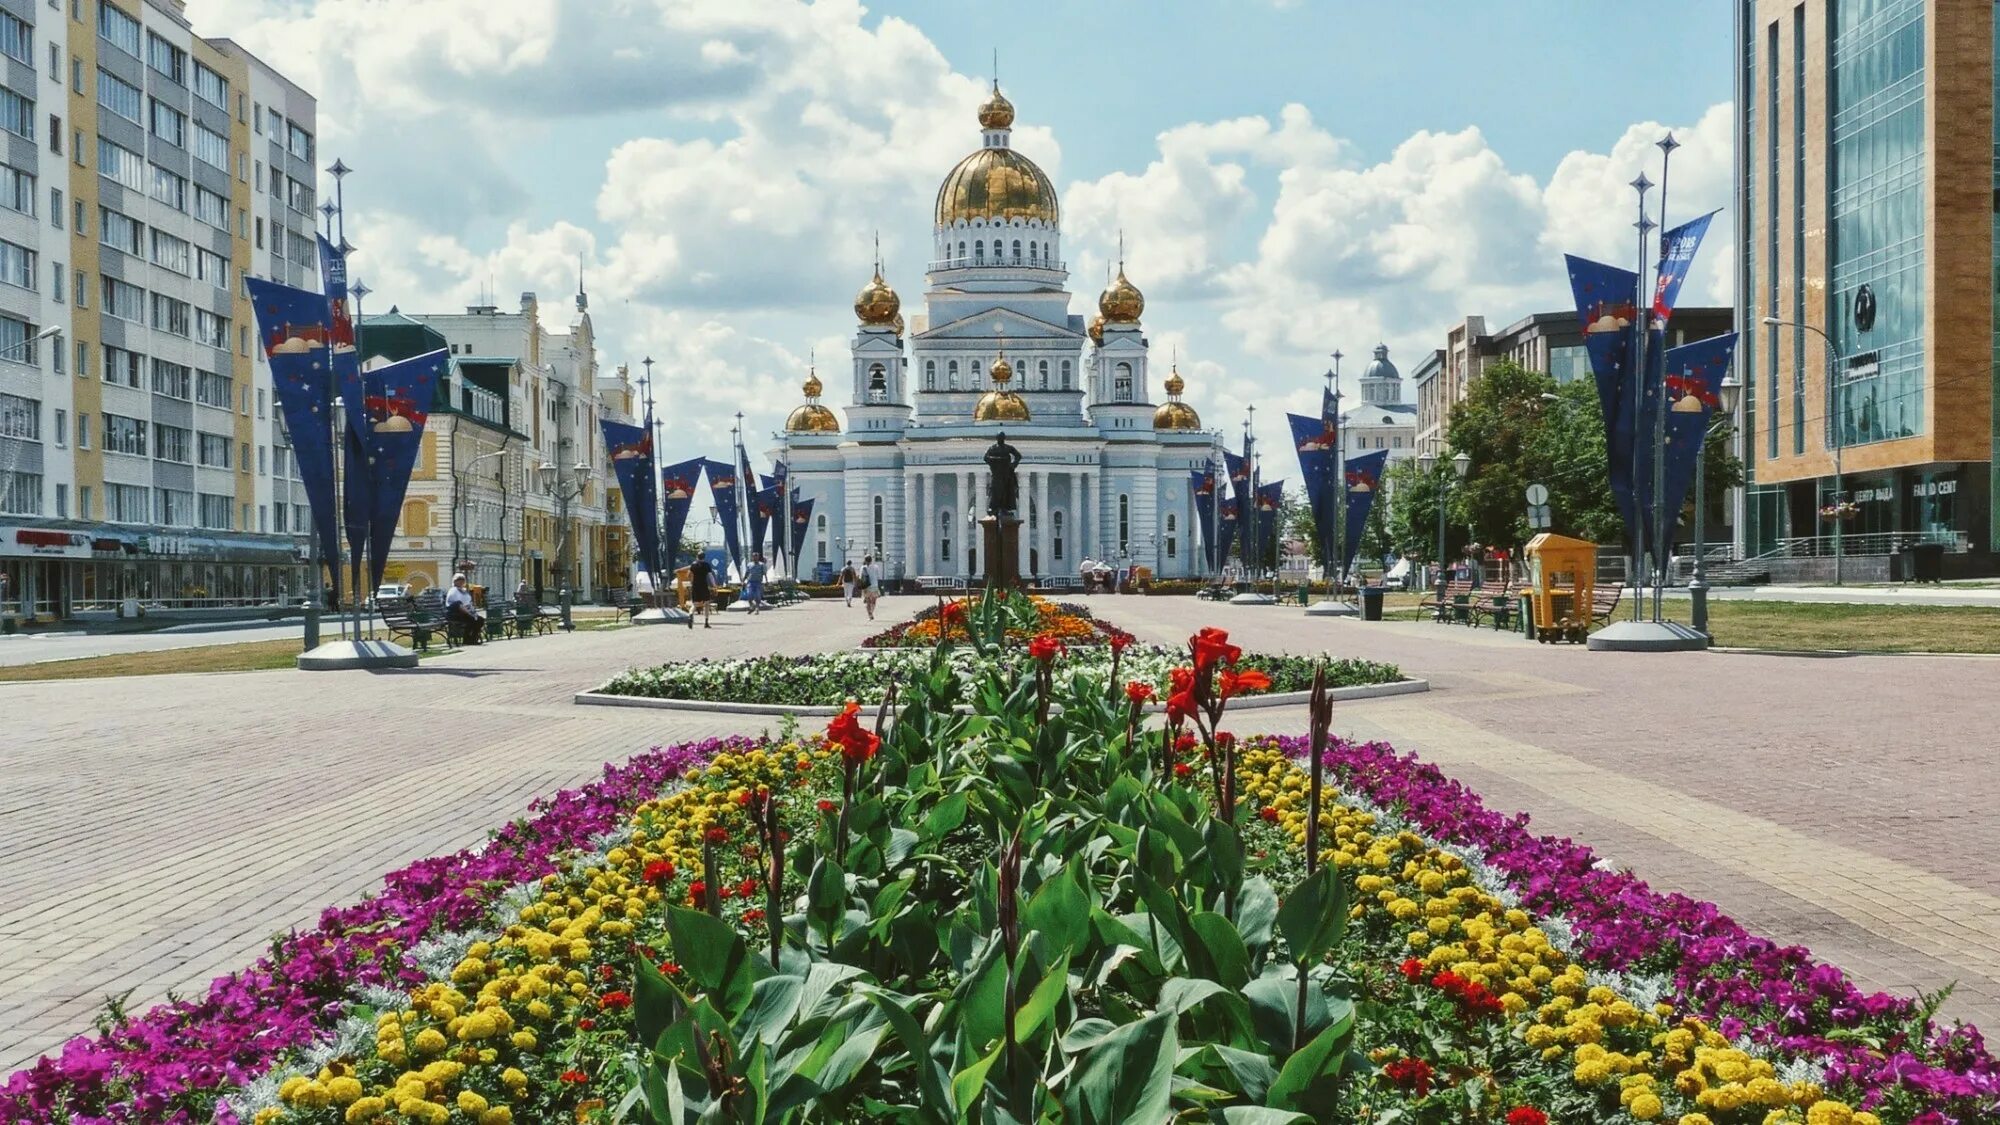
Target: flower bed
(1008, 911)
(830, 679)
(1023, 617)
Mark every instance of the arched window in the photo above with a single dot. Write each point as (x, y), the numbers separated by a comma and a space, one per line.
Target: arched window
(1065, 376)
(944, 536)
(1031, 254)
(930, 375)
(978, 375)
(1055, 535)
(878, 526)
(1173, 542)
(878, 382)
(961, 250)
(979, 251)
(952, 375)
(1124, 523)
(1121, 383)
(1042, 376)
(822, 538)
(1017, 251)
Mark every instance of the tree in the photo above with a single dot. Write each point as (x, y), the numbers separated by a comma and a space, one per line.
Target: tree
(1501, 424)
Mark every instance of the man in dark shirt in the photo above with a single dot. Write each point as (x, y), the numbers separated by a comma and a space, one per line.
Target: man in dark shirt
(701, 578)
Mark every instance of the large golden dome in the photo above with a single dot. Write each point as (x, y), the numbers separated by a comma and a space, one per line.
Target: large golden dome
(997, 184)
(1121, 302)
(1174, 414)
(812, 418)
(1001, 404)
(877, 304)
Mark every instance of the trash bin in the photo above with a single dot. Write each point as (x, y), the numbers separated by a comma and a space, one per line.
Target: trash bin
(1900, 562)
(1528, 616)
(1927, 563)
(1371, 603)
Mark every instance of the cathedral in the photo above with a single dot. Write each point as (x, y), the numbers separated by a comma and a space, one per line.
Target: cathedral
(1104, 472)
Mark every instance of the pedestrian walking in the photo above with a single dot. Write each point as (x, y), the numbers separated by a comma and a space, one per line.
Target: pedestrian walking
(847, 581)
(753, 583)
(701, 592)
(870, 587)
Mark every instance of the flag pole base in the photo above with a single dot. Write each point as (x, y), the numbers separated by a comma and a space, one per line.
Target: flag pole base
(1648, 636)
(336, 656)
(1253, 599)
(1332, 608)
(661, 617)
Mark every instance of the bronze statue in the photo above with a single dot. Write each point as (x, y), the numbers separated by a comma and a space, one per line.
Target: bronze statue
(1002, 492)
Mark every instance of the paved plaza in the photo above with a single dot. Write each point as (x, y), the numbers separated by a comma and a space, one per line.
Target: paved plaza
(155, 831)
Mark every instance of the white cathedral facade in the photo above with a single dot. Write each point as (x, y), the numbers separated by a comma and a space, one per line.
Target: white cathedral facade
(1104, 472)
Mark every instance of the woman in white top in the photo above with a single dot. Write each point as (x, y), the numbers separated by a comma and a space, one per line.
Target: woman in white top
(459, 608)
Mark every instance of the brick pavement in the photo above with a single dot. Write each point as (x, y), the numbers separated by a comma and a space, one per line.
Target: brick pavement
(156, 831)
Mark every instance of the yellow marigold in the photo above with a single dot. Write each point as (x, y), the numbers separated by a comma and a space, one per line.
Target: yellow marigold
(430, 1041)
(478, 1025)
(269, 1115)
(365, 1109)
(1647, 1106)
(1829, 1113)
(1695, 1119)
(513, 1079)
(524, 1040)
(344, 1090)
(471, 1103)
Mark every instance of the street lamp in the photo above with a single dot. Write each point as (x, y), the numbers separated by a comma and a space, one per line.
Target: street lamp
(458, 485)
(46, 333)
(1728, 394)
(564, 491)
(1461, 464)
(1839, 436)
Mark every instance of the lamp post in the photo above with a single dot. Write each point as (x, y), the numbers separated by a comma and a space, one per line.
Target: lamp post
(1839, 435)
(458, 483)
(1461, 465)
(1728, 394)
(564, 491)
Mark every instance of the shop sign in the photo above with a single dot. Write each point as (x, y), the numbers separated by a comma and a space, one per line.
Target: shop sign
(47, 544)
(170, 546)
(1874, 495)
(1924, 488)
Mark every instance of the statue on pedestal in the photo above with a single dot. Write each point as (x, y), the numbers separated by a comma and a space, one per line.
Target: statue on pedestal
(1002, 491)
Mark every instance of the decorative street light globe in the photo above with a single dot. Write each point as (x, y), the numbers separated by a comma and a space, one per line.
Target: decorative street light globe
(1462, 464)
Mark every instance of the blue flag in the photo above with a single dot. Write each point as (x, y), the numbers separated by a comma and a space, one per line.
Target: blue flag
(1677, 249)
(722, 492)
(357, 477)
(1270, 501)
(802, 510)
(1606, 309)
(1226, 523)
(1201, 485)
(766, 513)
(394, 411)
(677, 485)
(1694, 372)
(1318, 443)
(1364, 481)
(294, 327)
(1238, 468)
(631, 451)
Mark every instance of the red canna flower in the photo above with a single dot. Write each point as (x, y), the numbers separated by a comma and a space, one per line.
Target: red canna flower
(952, 613)
(752, 916)
(1180, 697)
(606, 972)
(659, 872)
(1120, 641)
(1526, 1115)
(825, 805)
(613, 1001)
(857, 744)
(697, 893)
(1185, 743)
(1182, 770)
(1212, 647)
(1224, 740)
(1046, 647)
(575, 1076)
(1410, 1074)
(1412, 969)
(716, 834)
(747, 888)
(1268, 815)
(1138, 692)
(670, 968)
(1233, 683)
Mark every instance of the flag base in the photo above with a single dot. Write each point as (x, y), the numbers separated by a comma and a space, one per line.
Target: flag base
(336, 656)
(1648, 636)
(1253, 599)
(661, 617)
(1332, 608)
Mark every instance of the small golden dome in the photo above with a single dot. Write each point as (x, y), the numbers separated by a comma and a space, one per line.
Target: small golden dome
(996, 184)
(1175, 384)
(898, 325)
(812, 418)
(877, 304)
(1121, 302)
(1174, 414)
(1000, 406)
(1002, 370)
(996, 112)
(1096, 329)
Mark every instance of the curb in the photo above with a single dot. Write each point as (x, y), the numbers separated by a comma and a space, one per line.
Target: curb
(596, 698)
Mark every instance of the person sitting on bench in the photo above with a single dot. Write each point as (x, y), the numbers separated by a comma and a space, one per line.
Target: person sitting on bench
(459, 610)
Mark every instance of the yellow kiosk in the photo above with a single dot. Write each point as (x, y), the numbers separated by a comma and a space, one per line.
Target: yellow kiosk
(1562, 576)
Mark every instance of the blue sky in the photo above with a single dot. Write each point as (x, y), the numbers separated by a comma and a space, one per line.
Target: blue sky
(1290, 177)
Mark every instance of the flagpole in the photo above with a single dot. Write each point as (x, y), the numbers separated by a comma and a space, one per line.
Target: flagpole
(1641, 307)
(363, 554)
(1340, 482)
(659, 489)
(1662, 534)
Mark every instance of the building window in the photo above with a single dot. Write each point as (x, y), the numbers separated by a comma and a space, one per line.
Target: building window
(1066, 385)
(62, 501)
(119, 96)
(930, 375)
(173, 507)
(1124, 523)
(878, 383)
(1121, 383)
(169, 188)
(21, 493)
(820, 542)
(17, 114)
(1173, 541)
(172, 443)
(21, 418)
(124, 435)
(124, 300)
(214, 449)
(17, 266)
(119, 29)
(174, 380)
(172, 316)
(216, 510)
(298, 142)
(211, 208)
(122, 367)
(211, 147)
(18, 343)
(951, 375)
(944, 536)
(169, 124)
(878, 527)
(62, 429)
(211, 87)
(211, 329)
(979, 252)
(166, 59)
(17, 191)
(121, 165)
(172, 253)
(1017, 251)
(17, 39)
(1056, 535)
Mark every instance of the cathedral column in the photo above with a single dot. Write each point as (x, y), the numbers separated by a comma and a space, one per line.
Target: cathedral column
(967, 531)
(911, 565)
(1026, 536)
(934, 480)
(1043, 517)
(1085, 536)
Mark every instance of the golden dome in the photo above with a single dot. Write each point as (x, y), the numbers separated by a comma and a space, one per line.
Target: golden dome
(877, 304)
(997, 185)
(1174, 414)
(1096, 329)
(1002, 370)
(898, 325)
(1121, 302)
(1000, 406)
(996, 112)
(812, 418)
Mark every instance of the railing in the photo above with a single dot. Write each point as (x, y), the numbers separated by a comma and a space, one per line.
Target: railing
(1024, 263)
(247, 601)
(1869, 543)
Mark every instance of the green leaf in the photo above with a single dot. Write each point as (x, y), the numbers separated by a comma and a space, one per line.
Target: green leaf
(1059, 909)
(773, 1003)
(1179, 994)
(968, 1084)
(1041, 1003)
(1086, 1033)
(1314, 918)
(1307, 1080)
(1251, 1070)
(820, 982)
(1127, 1076)
(826, 894)
(655, 1002)
(902, 842)
(982, 997)
(852, 1055)
(945, 817)
(1229, 959)
(714, 957)
(1260, 1115)
(930, 1076)
(1224, 848)
(1256, 912)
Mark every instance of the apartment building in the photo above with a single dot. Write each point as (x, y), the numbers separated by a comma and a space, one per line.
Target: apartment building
(144, 171)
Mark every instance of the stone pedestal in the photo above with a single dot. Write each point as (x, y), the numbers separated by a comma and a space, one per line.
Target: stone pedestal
(1000, 550)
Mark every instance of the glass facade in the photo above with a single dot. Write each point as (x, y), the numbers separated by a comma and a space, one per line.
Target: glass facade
(1771, 232)
(1876, 183)
(1993, 466)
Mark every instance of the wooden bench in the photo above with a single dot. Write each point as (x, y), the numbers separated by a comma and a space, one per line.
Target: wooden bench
(631, 603)
(1456, 596)
(786, 592)
(1604, 603)
(1500, 607)
(419, 619)
(525, 617)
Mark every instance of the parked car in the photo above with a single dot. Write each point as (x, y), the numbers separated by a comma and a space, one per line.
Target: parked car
(391, 592)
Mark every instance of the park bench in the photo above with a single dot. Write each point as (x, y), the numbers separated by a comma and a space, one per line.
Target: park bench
(786, 592)
(1500, 607)
(1457, 593)
(1604, 603)
(525, 616)
(631, 603)
(419, 619)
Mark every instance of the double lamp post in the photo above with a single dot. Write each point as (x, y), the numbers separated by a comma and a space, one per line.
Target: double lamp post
(1460, 465)
(564, 491)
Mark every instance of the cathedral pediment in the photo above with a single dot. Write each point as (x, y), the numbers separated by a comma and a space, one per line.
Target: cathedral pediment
(993, 323)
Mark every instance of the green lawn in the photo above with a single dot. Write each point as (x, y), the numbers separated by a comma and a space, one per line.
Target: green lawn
(249, 656)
